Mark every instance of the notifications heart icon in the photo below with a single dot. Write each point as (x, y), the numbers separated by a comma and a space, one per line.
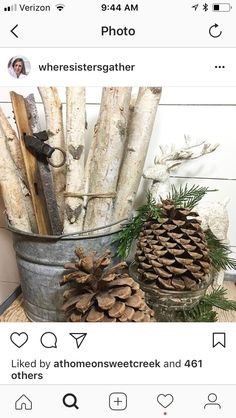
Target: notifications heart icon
(165, 400)
(19, 339)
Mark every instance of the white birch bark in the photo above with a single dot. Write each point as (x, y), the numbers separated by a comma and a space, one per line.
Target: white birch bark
(142, 119)
(75, 143)
(11, 189)
(13, 145)
(54, 123)
(32, 112)
(108, 145)
(88, 167)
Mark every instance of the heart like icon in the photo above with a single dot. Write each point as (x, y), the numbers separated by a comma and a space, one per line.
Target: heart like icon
(165, 400)
(19, 339)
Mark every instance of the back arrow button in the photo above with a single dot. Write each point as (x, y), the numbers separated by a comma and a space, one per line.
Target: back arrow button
(13, 33)
(211, 31)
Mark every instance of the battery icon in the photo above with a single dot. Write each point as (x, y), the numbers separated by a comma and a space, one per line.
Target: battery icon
(221, 7)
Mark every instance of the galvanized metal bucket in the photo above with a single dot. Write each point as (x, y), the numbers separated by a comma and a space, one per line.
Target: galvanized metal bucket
(41, 262)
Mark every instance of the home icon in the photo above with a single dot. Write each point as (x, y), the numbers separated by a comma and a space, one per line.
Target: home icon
(23, 403)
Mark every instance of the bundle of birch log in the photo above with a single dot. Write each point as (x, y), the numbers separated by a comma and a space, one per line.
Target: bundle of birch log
(91, 193)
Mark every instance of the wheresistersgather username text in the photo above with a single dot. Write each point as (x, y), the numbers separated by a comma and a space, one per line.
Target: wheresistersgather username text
(104, 68)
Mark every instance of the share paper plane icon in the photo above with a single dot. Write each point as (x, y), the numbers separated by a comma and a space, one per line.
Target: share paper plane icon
(79, 337)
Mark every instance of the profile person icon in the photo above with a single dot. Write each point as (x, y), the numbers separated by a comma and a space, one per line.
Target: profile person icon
(19, 67)
(212, 398)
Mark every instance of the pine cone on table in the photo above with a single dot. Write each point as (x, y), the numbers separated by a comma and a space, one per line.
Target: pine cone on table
(102, 294)
(172, 252)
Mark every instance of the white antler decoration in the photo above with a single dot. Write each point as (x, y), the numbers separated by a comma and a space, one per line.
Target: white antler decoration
(169, 158)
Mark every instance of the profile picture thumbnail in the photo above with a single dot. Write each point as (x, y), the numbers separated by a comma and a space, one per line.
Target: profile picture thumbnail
(19, 66)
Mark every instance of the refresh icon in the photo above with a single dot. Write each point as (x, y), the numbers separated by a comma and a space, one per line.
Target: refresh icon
(213, 32)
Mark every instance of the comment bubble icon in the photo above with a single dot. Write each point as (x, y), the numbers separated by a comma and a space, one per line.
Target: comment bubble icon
(49, 340)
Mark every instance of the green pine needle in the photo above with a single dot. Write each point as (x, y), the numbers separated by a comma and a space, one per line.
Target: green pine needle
(201, 313)
(129, 233)
(218, 298)
(188, 198)
(219, 253)
(204, 311)
(133, 229)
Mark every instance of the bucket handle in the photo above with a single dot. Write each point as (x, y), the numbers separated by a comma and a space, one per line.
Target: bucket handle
(73, 234)
(91, 230)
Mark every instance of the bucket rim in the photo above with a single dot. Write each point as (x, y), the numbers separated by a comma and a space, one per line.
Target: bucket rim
(75, 235)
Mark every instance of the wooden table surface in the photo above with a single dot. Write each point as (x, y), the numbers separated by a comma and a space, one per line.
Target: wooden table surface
(15, 313)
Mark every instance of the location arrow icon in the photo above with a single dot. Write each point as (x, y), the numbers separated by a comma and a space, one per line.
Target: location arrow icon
(79, 337)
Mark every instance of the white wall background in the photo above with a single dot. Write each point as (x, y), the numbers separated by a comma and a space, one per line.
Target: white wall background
(202, 113)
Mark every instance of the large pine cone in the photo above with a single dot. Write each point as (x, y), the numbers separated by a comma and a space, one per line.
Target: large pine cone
(99, 294)
(172, 252)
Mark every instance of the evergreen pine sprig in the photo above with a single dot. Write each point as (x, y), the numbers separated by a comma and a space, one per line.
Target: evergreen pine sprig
(132, 230)
(187, 198)
(204, 311)
(201, 313)
(219, 253)
(218, 298)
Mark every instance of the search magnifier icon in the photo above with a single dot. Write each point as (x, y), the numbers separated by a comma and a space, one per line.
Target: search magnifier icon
(70, 401)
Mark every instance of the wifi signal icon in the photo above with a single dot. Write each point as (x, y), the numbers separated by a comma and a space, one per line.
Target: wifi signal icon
(60, 7)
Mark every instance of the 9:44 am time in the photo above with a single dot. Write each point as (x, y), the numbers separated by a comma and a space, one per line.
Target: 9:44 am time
(120, 8)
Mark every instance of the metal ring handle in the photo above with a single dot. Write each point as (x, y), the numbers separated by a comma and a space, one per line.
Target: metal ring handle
(63, 158)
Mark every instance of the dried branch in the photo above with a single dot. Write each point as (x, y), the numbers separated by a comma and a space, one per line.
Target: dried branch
(75, 135)
(11, 187)
(13, 145)
(54, 123)
(107, 154)
(141, 123)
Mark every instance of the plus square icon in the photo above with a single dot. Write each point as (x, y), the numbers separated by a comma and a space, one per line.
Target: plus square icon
(118, 401)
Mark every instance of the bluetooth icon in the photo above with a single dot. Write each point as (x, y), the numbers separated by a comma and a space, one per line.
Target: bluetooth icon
(205, 7)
